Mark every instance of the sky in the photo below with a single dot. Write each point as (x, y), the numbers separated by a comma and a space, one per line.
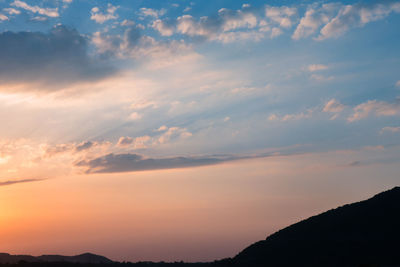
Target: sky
(187, 130)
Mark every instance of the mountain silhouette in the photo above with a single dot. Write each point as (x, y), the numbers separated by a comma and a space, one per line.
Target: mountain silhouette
(366, 232)
(82, 258)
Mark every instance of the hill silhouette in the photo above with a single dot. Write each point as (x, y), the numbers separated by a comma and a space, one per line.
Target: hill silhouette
(82, 258)
(365, 233)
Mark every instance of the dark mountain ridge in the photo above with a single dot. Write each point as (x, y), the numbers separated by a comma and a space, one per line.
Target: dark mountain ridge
(362, 232)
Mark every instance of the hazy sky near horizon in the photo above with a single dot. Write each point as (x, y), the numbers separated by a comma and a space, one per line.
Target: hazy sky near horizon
(168, 130)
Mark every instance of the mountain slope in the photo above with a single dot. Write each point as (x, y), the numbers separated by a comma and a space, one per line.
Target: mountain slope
(362, 232)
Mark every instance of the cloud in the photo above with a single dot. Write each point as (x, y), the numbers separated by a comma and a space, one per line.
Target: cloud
(84, 146)
(99, 17)
(314, 18)
(133, 162)
(317, 67)
(281, 15)
(149, 12)
(226, 26)
(19, 181)
(163, 27)
(12, 11)
(292, 117)
(377, 108)
(135, 116)
(154, 54)
(130, 162)
(49, 12)
(390, 129)
(333, 106)
(73, 148)
(127, 22)
(137, 143)
(357, 15)
(398, 83)
(50, 61)
(173, 133)
(275, 32)
(3, 17)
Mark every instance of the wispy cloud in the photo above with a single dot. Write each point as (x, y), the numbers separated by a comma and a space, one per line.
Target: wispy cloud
(49, 12)
(333, 106)
(100, 17)
(377, 108)
(317, 67)
(390, 129)
(152, 12)
(357, 15)
(12, 182)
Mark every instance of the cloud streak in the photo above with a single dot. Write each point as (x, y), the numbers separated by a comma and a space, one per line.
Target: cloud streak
(49, 12)
(12, 182)
(128, 162)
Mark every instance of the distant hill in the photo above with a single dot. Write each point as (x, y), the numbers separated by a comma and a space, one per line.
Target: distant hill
(82, 258)
(366, 232)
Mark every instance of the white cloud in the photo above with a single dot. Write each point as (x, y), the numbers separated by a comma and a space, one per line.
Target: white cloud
(99, 17)
(292, 117)
(316, 67)
(275, 32)
(398, 83)
(377, 108)
(390, 130)
(187, 25)
(162, 128)
(314, 18)
(282, 15)
(173, 133)
(357, 15)
(127, 22)
(3, 17)
(49, 12)
(233, 21)
(333, 106)
(163, 28)
(39, 18)
(12, 11)
(152, 12)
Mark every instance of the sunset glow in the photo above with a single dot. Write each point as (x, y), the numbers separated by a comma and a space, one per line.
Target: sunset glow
(188, 130)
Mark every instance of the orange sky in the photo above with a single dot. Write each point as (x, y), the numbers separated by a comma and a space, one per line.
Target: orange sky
(190, 214)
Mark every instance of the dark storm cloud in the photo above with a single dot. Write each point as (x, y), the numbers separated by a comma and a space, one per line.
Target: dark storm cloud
(52, 60)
